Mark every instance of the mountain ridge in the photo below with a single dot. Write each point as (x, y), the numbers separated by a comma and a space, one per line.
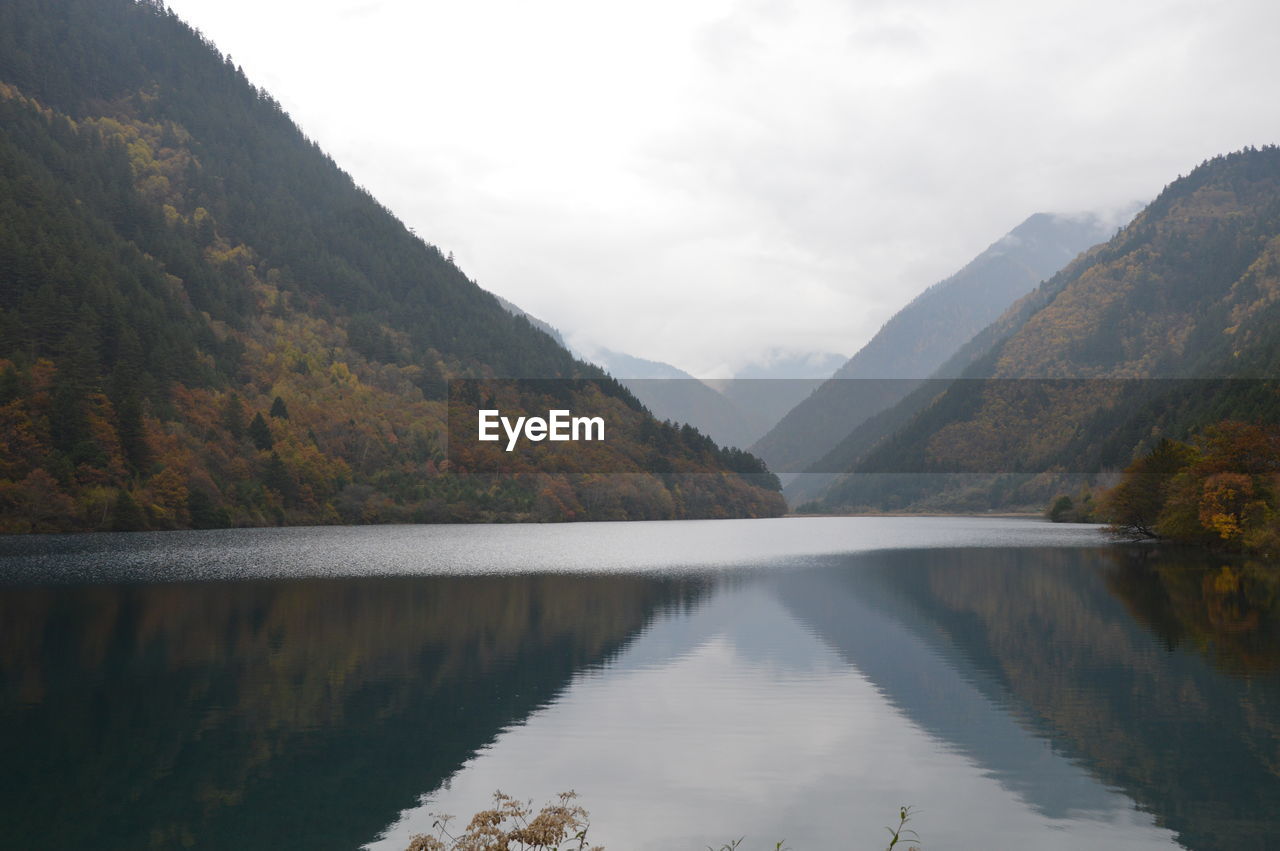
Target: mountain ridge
(920, 337)
(1189, 290)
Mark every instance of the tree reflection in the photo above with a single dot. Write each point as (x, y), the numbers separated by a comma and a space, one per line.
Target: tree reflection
(1155, 670)
(1227, 610)
(299, 713)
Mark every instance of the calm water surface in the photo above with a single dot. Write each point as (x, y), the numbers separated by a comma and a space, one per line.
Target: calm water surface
(1023, 685)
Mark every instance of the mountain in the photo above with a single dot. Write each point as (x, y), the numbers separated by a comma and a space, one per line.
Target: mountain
(1164, 329)
(205, 322)
(733, 411)
(738, 410)
(670, 393)
(625, 367)
(918, 339)
(675, 395)
(770, 386)
(783, 363)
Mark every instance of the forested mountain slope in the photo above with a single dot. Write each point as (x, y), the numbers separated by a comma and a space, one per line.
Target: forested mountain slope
(918, 339)
(1084, 367)
(204, 321)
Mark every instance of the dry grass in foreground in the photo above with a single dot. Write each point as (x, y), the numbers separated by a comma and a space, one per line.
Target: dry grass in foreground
(507, 826)
(562, 826)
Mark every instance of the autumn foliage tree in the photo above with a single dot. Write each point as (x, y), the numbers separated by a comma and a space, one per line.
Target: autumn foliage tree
(1219, 490)
(1134, 506)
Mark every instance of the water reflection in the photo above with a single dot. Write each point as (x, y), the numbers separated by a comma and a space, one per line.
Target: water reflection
(1019, 696)
(1228, 611)
(1189, 730)
(280, 713)
(1009, 693)
(1178, 708)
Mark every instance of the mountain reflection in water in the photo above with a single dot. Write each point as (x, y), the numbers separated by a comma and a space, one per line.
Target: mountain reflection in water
(281, 713)
(1011, 694)
(1156, 672)
(1048, 697)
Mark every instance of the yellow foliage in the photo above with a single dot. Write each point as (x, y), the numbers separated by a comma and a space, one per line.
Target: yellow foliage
(1222, 503)
(340, 373)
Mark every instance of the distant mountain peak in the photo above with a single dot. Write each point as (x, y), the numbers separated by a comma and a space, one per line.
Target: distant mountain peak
(924, 334)
(1163, 330)
(791, 363)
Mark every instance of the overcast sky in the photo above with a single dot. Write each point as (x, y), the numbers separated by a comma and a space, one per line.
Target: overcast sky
(699, 181)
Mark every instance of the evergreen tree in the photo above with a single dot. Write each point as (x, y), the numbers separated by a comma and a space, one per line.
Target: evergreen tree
(260, 433)
(278, 479)
(205, 514)
(127, 515)
(133, 438)
(233, 416)
(11, 385)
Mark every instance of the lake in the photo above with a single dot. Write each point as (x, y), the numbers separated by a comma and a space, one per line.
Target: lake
(1020, 684)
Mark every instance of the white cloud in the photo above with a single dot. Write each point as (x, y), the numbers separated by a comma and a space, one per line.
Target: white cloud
(700, 181)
